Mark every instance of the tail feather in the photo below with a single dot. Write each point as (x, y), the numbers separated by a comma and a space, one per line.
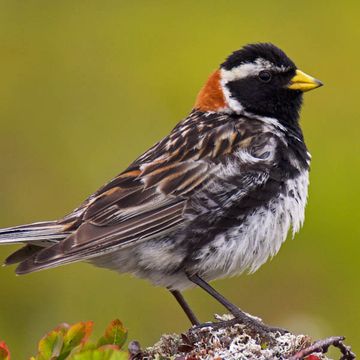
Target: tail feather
(22, 254)
(35, 236)
(41, 233)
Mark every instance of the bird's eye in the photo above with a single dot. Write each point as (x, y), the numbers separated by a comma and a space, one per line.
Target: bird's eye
(265, 76)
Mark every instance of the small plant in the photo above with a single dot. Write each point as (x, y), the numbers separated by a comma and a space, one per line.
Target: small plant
(71, 342)
(4, 351)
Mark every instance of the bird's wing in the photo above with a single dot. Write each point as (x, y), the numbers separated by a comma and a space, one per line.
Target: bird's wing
(150, 197)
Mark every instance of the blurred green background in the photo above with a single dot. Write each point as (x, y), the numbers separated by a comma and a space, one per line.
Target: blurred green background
(86, 86)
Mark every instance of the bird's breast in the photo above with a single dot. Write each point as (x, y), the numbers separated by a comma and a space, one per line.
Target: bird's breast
(257, 236)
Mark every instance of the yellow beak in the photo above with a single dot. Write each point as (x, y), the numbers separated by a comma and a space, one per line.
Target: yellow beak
(303, 82)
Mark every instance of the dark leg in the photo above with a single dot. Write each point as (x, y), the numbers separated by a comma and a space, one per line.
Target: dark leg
(216, 295)
(240, 316)
(185, 306)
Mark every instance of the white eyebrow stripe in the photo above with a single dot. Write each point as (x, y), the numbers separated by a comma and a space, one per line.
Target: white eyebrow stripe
(249, 69)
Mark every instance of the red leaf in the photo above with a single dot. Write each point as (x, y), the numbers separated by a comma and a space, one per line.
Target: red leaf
(115, 334)
(4, 351)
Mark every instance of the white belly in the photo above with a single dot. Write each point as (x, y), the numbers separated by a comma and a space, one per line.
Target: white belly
(247, 246)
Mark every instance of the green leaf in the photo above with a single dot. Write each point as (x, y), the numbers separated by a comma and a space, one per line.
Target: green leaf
(108, 354)
(64, 339)
(76, 336)
(115, 334)
(50, 345)
(71, 342)
(4, 351)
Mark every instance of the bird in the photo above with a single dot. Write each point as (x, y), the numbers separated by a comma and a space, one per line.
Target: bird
(215, 198)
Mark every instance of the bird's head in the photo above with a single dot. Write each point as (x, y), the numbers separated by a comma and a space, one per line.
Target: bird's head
(258, 79)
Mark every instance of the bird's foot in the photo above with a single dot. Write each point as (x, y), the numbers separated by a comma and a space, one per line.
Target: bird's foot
(251, 324)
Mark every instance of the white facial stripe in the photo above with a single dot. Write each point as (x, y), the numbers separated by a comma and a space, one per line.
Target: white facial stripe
(249, 69)
(231, 101)
(240, 72)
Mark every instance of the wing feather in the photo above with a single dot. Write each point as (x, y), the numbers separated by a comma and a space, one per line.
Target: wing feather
(149, 198)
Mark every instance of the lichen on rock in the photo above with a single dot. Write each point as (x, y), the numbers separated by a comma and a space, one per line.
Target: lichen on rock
(236, 342)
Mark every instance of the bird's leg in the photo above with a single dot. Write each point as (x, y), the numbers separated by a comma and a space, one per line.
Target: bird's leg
(239, 315)
(185, 306)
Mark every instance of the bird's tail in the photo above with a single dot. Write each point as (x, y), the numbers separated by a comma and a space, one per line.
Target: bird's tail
(35, 236)
(41, 233)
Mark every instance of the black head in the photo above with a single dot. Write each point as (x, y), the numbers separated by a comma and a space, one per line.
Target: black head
(250, 53)
(260, 79)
